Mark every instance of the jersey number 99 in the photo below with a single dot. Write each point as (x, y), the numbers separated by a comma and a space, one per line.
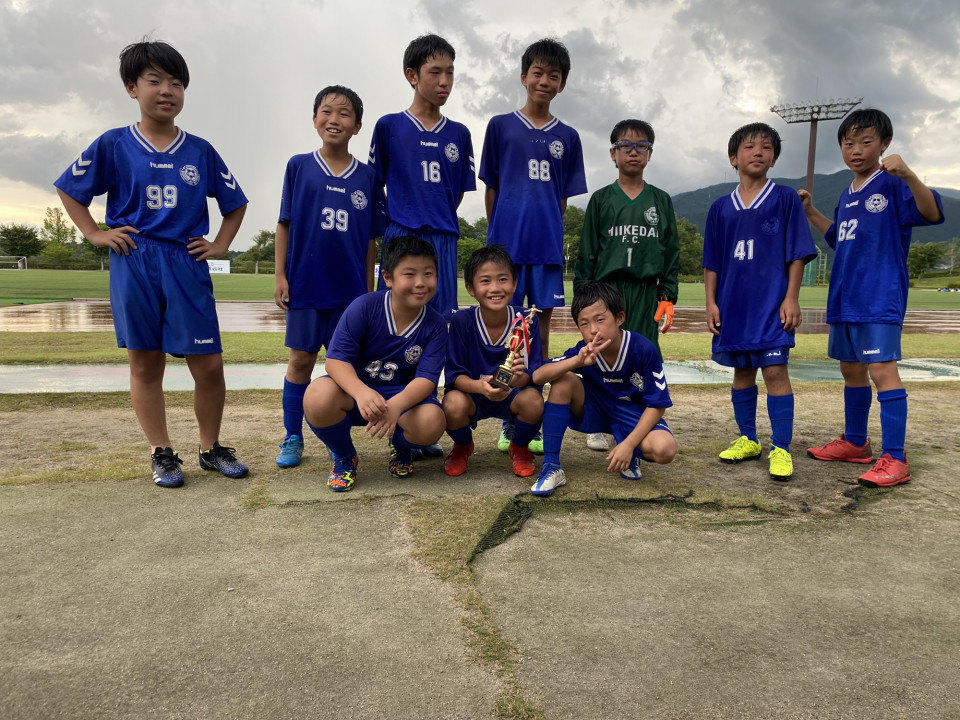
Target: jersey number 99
(161, 197)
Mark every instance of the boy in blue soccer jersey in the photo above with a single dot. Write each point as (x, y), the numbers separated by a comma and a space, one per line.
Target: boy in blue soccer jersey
(610, 382)
(383, 365)
(477, 346)
(331, 208)
(157, 179)
(425, 160)
(755, 246)
(870, 233)
(531, 164)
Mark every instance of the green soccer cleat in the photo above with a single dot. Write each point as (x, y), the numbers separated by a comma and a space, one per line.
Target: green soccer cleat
(743, 448)
(781, 464)
(506, 436)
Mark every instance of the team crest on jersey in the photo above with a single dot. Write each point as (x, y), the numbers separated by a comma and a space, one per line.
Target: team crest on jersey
(358, 199)
(190, 175)
(637, 380)
(556, 149)
(452, 153)
(876, 203)
(652, 216)
(412, 355)
(771, 226)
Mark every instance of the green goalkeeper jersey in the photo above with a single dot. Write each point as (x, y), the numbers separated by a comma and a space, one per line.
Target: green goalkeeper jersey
(626, 240)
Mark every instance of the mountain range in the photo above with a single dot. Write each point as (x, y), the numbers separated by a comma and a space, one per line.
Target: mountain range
(827, 189)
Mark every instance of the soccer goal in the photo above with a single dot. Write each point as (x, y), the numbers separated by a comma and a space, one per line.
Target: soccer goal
(13, 262)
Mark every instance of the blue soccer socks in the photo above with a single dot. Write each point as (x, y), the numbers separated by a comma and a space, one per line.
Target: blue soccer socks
(856, 409)
(745, 410)
(293, 407)
(893, 422)
(524, 432)
(337, 438)
(780, 410)
(556, 418)
(463, 436)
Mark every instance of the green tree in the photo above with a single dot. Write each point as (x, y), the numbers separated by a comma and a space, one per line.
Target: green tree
(472, 238)
(60, 238)
(924, 257)
(264, 248)
(19, 240)
(89, 250)
(572, 230)
(691, 248)
(951, 254)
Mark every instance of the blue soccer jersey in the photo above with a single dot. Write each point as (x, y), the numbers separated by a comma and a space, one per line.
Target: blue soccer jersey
(383, 355)
(532, 170)
(471, 351)
(749, 247)
(160, 192)
(871, 235)
(425, 171)
(332, 219)
(636, 377)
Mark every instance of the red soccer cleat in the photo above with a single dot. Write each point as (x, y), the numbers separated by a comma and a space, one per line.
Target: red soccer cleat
(886, 473)
(841, 450)
(522, 460)
(456, 462)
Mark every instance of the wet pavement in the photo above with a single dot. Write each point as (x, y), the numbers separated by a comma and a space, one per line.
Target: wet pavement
(116, 378)
(94, 315)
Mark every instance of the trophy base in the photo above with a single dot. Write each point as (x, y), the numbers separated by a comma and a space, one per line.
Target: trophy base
(502, 378)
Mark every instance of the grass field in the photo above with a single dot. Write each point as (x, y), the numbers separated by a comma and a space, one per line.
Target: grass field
(32, 286)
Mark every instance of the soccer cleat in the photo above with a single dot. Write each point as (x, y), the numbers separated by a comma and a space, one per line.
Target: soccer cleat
(166, 468)
(550, 478)
(597, 441)
(430, 451)
(743, 448)
(291, 450)
(456, 463)
(343, 474)
(536, 445)
(781, 464)
(223, 460)
(522, 460)
(886, 473)
(506, 436)
(842, 450)
(401, 462)
(633, 472)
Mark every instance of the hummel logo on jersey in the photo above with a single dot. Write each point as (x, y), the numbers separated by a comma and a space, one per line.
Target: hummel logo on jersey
(334, 188)
(80, 163)
(659, 376)
(872, 352)
(852, 204)
(875, 203)
(162, 166)
(189, 174)
(773, 353)
(558, 297)
(205, 341)
(613, 380)
(228, 180)
(424, 143)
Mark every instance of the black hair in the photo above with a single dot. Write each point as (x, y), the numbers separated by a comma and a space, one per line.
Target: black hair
(136, 58)
(549, 52)
(491, 253)
(865, 119)
(593, 292)
(752, 130)
(343, 92)
(640, 127)
(405, 246)
(420, 50)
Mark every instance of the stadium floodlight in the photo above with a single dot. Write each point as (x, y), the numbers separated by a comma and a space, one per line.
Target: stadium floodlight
(812, 113)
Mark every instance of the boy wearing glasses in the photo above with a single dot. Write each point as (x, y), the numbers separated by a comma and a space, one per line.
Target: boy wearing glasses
(630, 236)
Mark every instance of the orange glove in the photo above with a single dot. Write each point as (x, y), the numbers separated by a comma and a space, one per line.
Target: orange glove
(665, 311)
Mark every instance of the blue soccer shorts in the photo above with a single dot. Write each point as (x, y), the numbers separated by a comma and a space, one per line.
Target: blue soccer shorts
(542, 284)
(445, 245)
(753, 358)
(864, 342)
(162, 299)
(309, 329)
(602, 416)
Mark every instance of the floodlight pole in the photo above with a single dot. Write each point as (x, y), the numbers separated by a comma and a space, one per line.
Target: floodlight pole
(813, 113)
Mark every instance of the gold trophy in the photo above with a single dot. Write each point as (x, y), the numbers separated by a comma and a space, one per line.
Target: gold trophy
(515, 346)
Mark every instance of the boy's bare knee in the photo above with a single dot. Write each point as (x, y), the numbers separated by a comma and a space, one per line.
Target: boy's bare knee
(300, 366)
(561, 390)
(456, 409)
(661, 450)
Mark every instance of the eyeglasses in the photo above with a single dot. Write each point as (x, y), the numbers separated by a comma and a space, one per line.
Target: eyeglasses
(641, 146)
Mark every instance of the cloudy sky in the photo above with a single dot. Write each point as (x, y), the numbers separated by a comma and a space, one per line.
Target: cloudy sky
(695, 69)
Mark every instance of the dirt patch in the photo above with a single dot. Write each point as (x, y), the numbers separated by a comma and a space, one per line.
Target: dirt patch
(96, 438)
